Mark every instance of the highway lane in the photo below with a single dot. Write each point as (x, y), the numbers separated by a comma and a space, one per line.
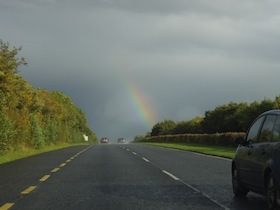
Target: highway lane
(210, 175)
(128, 176)
(109, 177)
(18, 175)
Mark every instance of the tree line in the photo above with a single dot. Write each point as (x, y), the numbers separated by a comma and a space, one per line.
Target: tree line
(34, 118)
(232, 117)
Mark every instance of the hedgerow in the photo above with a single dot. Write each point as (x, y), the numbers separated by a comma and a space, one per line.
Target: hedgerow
(217, 139)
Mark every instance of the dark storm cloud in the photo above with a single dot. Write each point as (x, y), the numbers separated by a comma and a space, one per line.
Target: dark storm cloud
(185, 56)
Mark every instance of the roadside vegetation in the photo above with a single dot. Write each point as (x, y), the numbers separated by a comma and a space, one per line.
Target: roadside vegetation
(218, 127)
(34, 118)
(232, 117)
(215, 139)
(19, 154)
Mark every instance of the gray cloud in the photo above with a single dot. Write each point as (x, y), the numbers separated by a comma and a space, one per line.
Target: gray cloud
(185, 57)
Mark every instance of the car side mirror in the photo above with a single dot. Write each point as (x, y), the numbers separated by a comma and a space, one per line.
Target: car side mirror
(240, 140)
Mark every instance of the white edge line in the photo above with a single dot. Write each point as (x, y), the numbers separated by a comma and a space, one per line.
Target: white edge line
(134, 153)
(211, 156)
(171, 175)
(205, 195)
(190, 186)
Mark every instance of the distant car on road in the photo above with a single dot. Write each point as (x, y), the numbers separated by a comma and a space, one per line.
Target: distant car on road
(256, 163)
(104, 140)
(121, 140)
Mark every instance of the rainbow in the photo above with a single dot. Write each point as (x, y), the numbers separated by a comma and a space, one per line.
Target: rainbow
(141, 107)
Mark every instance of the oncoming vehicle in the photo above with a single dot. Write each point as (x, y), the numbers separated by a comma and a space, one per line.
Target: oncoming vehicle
(121, 140)
(104, 140)
(256, 163)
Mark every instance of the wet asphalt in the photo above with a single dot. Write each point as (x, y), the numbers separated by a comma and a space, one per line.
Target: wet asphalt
(124, 176)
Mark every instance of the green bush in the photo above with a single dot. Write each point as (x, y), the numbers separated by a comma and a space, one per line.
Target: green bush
(6, 132)
(38, 140)
(217, 139)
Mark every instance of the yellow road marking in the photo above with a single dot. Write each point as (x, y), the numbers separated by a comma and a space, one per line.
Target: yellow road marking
(63, 164)
(28, 190)
(55, 170)
(44, 178)
(6, 206)
(67, 161)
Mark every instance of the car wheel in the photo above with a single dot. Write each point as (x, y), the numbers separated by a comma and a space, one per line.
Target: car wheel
(238, 189)
(271, 192)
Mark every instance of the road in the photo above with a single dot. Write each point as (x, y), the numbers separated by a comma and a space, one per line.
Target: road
(125, 176)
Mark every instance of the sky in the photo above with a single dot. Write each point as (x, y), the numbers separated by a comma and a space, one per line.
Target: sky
(130, 64)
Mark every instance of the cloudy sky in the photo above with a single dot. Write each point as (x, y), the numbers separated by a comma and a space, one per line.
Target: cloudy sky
(129, 64)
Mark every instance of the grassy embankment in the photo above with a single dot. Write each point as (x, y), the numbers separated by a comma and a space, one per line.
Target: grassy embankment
(15, 155)
(220, 151)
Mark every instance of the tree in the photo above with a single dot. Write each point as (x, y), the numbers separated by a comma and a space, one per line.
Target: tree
(191, 126)
(6, 128)
(163, 128)
(222, 119)
(232, 117)
(9, 62)
(32, 118)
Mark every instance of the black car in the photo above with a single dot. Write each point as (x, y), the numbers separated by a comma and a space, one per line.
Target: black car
(256, 163)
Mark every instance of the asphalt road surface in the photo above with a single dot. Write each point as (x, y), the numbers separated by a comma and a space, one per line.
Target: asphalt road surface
(124, 176)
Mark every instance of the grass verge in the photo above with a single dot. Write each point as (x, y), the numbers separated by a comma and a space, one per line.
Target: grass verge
(15, 155)
(220, 151)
